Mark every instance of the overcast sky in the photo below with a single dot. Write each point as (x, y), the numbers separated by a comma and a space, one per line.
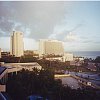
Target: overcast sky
(77, 24)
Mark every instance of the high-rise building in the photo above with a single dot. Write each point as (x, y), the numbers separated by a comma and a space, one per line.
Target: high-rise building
(16, 44)
(47, 47)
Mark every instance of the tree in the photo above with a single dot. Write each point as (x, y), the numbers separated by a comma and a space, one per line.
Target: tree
(42, 83)
(97, 60)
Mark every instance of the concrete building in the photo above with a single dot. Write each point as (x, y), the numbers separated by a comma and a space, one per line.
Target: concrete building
(35, 51)
(92, 66)
(49, 47)
(74, 63)
(0, 52)
(79, 58)
(5, 54)
(28, 52)
(55, 58)
(3, 79)
(15, 67)
(16, 44)
(68, 57)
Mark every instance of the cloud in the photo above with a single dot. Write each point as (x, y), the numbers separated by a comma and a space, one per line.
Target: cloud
(58, 30)
(54, 20)
(35, 19)
(5, 43)
(30, 44)
(61, 32)
(71, 37)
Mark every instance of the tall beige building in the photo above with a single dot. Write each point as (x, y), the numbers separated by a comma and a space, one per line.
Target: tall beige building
(16, 44)
(47, 47)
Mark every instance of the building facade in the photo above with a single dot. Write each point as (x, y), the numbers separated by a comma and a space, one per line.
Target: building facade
(5, 54)
(16, 44)
(68, 57)
(50, 47)
(3, 78)
(15, 67)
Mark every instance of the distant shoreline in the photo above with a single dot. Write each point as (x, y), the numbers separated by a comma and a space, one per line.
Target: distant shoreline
(86, 54)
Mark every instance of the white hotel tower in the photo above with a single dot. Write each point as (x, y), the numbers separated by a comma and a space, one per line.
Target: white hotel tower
(47, 47)
(16, 44)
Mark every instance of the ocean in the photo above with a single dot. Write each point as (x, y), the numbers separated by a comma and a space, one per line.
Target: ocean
(87, 54)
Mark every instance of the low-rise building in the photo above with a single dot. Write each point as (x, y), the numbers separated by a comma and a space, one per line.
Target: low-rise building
(5, 54)
(3, 79)
(79, 58)
(68, 57)
(65, 57)
(15, 67)
(36, 52)
(28, 52)
(76, 63)
(33, 53)
(92, 66)
(55, 58)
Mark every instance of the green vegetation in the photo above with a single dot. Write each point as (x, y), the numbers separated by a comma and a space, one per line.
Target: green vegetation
(23, 59)
(97, 60)
(55, 65)
(42, 82)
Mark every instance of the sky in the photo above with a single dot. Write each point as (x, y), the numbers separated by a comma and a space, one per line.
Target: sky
(75, 23)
